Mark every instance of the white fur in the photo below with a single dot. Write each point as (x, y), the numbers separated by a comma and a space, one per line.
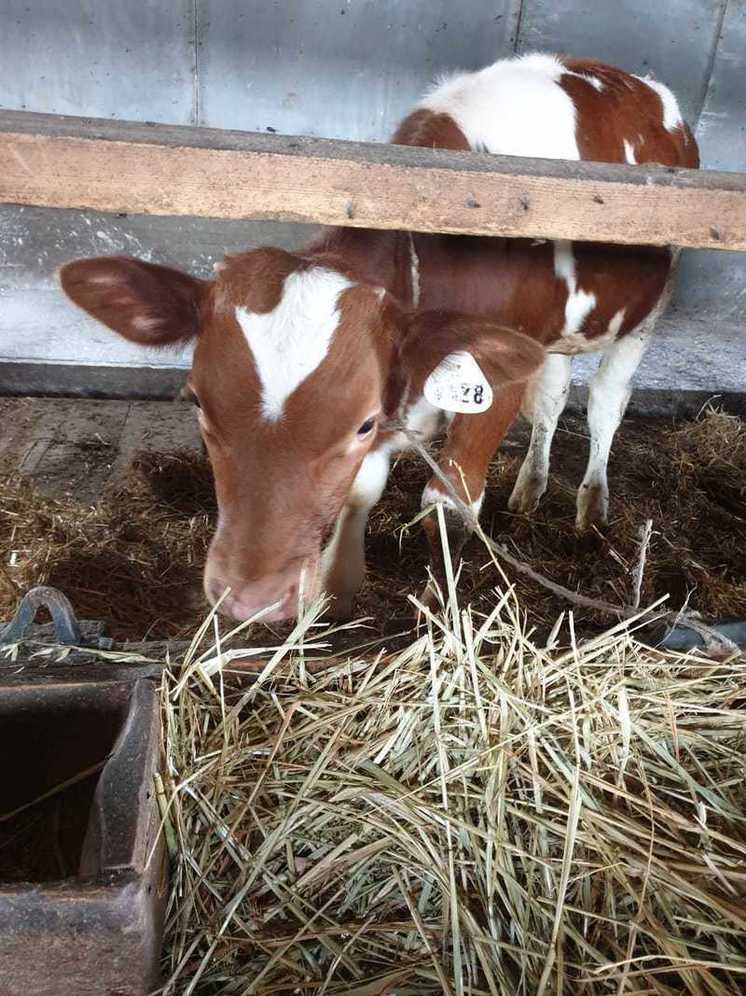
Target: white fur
(594, 81)
(564, 262)
(414, 265)
(571, 345)
(421, 418)
(513, 107)
(289, 342)
(343, 560)
(434, 494)
(616, 322)
(579, 303)
(343, 563)
(608, 395)
(671, 113)
(629, 152)
(370, 480)
(545, 401)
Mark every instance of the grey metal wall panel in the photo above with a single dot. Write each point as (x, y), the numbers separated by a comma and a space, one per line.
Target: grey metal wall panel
(338, 68)
(721, 129)
(348, 69)
(104, 58)
(675, 39)
(37, 323)
(715, 283)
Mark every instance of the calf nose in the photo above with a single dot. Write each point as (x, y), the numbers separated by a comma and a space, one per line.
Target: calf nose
(271, 599)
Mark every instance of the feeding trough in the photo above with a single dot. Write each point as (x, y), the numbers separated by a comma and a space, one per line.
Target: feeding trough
(82, 873)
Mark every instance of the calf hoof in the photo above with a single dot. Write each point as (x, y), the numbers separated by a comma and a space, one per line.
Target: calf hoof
(340, 608)
(527, 494)
(457, 533)
(593, 508)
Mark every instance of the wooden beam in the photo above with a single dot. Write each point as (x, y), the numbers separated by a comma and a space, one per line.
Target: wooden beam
(66, 162)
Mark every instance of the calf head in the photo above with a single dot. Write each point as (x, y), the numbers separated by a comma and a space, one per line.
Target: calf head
(296, 367)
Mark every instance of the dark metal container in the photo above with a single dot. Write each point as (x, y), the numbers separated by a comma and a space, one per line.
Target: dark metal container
(83, 873)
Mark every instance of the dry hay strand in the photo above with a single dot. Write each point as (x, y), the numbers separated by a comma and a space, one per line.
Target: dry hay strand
(474, 814)
(133, 559)
(710, 456)
(697, 551)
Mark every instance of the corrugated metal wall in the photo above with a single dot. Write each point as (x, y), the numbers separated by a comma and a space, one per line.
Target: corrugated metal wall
(347, 69)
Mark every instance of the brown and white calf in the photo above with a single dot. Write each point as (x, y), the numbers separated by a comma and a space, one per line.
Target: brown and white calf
(300, 358)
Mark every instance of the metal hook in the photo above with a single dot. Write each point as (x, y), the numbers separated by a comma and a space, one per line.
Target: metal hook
(66, 626)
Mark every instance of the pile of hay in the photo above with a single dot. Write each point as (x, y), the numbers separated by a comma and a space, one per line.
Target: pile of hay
(688, 478)
(494, 805)
(134, 559)
(473, 814)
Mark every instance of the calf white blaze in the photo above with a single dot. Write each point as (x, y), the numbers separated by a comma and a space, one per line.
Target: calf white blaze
(435, 494)
(291, 341)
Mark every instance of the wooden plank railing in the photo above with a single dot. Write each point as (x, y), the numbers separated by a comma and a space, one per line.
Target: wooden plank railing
(119, 166)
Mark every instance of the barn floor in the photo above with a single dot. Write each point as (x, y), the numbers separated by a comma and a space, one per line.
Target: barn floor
(111, 502)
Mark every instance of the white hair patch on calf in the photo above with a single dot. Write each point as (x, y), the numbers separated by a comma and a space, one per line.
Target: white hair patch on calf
(414, 268)
(291, 341)
(579, 303)
(616, 323)
(434, 495)
(146, 323)
(671, 114)
(594, 81)
(629, 152)
(515, 107)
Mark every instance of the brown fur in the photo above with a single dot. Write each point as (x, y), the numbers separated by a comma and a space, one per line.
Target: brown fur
(281, 485)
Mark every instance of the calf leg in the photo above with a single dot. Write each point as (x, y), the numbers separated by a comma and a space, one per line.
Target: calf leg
(609, 393)
(343, 561)
(545, 401)
(464, 461)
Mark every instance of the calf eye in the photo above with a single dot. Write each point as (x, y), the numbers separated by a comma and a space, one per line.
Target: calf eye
(366, 427)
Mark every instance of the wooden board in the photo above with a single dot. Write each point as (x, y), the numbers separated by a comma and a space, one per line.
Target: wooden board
(55, 161)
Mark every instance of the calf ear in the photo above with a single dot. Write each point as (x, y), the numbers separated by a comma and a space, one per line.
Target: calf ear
(148, 304)
(459, 361)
